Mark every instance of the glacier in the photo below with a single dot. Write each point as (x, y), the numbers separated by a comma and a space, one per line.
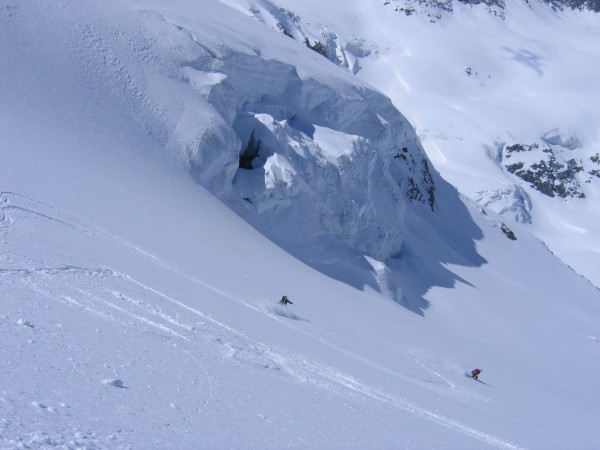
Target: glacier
(169, 170)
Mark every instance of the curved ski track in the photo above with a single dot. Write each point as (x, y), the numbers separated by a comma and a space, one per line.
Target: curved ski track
(120, 298)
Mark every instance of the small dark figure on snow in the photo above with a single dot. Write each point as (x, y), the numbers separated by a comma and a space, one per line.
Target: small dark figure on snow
(475, 373)
(284, 301)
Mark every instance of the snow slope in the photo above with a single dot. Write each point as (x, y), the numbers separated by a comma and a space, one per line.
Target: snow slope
(139, 311)
(476, 80)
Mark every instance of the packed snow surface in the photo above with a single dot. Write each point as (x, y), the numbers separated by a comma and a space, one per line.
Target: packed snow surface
(140, 266)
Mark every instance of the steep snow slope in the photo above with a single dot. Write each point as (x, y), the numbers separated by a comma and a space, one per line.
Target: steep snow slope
(479, 80)
(138, 311)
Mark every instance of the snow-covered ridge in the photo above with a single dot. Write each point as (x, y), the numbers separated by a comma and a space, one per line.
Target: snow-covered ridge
(554, 165)
(343, 51)
(436, 9)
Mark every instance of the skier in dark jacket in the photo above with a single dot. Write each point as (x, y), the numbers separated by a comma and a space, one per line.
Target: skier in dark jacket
(284, 301)
(475, 373)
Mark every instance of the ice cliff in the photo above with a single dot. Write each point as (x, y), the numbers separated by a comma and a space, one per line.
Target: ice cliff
(271, 128)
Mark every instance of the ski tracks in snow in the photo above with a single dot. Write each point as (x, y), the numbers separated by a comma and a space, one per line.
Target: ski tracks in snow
(120, 298)
(325, 377)
(115, 306)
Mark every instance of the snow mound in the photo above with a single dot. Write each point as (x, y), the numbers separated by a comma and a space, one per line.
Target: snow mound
(115, 382)
(555, 137)
(25, 323)
(511, 203)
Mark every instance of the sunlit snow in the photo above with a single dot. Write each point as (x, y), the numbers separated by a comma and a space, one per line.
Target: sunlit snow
(141, 266)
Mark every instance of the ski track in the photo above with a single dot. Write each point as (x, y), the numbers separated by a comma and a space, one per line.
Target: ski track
(444, 379)
(299, 368)
(120, 303)
(53, 283)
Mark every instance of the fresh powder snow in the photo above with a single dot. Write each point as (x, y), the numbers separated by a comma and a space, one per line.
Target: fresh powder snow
(170, 170)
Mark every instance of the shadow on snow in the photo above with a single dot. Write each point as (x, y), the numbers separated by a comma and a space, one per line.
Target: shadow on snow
(431, 243)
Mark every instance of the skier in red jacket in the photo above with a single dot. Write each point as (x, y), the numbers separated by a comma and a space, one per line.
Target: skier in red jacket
(475, 373)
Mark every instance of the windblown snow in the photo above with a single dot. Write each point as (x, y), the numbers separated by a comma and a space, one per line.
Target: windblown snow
(169, 170)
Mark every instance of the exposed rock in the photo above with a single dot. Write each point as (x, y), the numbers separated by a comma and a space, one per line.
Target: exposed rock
(592, 5)
(548, 174)
(317, 47)
(249, 153)
(508, 232)
(436, 9)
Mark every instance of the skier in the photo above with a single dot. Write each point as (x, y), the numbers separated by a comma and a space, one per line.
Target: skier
(284, 301)
(475, 373)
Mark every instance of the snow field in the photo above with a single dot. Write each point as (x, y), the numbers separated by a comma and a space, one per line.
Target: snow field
(140, 311)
